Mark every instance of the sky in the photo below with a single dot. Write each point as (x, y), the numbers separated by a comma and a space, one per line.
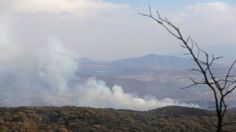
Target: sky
(112, 29)
(41, 42)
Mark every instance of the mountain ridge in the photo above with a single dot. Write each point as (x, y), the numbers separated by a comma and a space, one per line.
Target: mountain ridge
(155, 75)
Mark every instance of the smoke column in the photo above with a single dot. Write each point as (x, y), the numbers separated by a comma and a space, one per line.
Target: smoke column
(44, 77)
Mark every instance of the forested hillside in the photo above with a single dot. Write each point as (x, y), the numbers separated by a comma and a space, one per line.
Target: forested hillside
(75, 119)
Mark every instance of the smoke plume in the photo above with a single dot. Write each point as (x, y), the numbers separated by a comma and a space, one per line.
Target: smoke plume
(44, 78)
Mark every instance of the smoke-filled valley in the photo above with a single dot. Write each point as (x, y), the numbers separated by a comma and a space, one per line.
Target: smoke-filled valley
(36, 69)
(53, 76)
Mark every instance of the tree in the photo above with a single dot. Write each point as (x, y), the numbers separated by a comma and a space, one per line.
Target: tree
(221, 87)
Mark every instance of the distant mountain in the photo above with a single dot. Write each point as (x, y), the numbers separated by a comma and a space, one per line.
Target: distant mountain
(153, 60)
(150, 63)
(153, 75)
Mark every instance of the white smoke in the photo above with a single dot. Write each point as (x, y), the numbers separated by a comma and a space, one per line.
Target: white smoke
(5, 46)
(97, 94)
(58, 65)
(44, 77)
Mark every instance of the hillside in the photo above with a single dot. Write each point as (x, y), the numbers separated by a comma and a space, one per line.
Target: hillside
(74, 119)
(160, 76)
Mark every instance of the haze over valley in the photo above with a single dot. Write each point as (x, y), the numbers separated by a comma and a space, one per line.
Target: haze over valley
(43, 44)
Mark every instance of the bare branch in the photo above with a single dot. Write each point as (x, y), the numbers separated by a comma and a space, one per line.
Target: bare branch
(194, 83)
(161, 21)
(230, 90)
(228, 73)
(204, 64)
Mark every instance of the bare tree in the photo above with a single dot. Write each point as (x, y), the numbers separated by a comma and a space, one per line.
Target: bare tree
(221, 87)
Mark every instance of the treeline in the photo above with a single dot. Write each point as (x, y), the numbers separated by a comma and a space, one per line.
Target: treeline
(76, 119)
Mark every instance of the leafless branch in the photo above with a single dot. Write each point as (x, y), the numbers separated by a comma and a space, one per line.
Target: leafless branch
(204, 62)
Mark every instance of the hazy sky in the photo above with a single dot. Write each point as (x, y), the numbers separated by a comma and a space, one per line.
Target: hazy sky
(112, 29)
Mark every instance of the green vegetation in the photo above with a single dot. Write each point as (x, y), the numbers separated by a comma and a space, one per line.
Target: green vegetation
(76, 119)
